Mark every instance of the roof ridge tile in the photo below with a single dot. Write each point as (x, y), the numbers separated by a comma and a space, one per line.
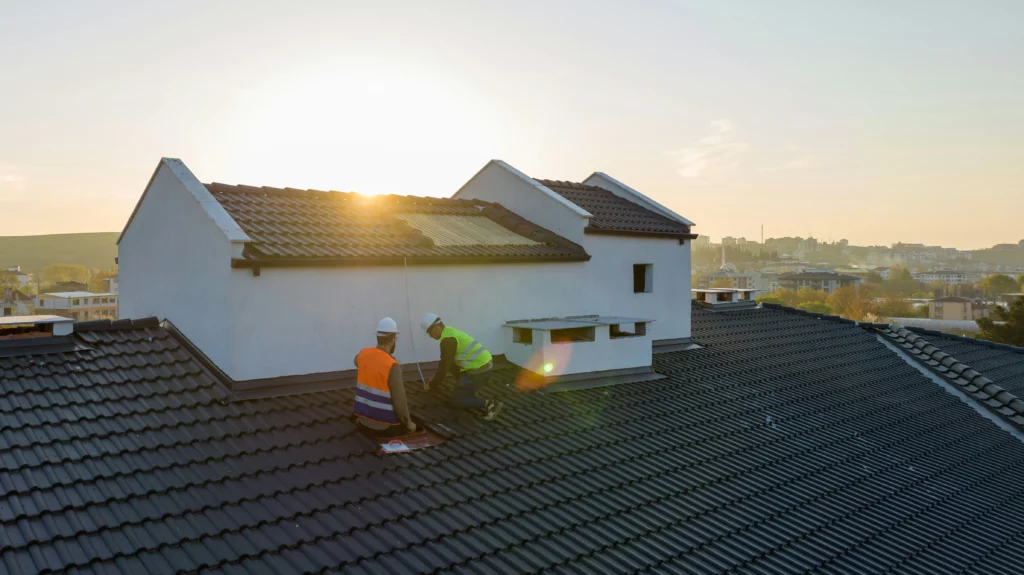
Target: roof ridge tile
(972, 382)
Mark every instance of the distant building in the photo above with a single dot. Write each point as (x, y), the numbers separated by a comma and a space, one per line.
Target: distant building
(112, 284)
(728, 241)
(13, 302)
(766, 282)
(78, 305)
(702, 241)
(949, 277)
(883, 272)
(23, 278)
(1009, 298)
(956, 309)
(737, 280)
(825, 281)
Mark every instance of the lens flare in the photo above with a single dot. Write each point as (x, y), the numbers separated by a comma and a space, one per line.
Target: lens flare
(545, 365)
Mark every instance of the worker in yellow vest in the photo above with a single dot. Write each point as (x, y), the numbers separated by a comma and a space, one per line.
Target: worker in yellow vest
(380, 406)
(467, 360)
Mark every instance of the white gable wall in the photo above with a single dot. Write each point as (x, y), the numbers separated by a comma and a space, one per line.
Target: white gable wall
(500, 183)
(174, 262)
(609, 280)
(291, 321)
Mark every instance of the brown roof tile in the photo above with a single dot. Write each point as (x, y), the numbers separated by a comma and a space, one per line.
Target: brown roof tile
(292, 226)
(615, 215)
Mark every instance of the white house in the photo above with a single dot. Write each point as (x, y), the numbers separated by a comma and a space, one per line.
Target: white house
(78, 305)
(286, 282)
(23, 278)
(13, 302)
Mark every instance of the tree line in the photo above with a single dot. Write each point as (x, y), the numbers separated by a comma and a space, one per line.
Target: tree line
(46, 279)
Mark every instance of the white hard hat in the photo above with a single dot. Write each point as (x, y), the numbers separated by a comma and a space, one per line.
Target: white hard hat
(428, 320)
(387, 326)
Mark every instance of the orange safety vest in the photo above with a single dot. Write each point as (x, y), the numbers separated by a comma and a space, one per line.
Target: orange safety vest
(373, 396)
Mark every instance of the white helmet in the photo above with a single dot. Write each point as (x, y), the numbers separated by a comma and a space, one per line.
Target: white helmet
(387, 326)
(428, 320)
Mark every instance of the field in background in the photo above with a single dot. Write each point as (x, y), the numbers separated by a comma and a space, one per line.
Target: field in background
(32, 253)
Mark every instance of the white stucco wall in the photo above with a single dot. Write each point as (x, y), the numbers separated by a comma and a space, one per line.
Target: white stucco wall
(610, 281)
(291, 321)
(175, 262)
(602, 354)
(498, 182)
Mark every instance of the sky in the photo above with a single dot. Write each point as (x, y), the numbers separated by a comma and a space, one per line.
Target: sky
(873, 121)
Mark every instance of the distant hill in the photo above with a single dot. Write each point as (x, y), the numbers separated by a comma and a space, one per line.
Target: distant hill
(32, 253)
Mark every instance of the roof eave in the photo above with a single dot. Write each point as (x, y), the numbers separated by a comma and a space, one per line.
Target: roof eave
(639, 233)
(254, 263)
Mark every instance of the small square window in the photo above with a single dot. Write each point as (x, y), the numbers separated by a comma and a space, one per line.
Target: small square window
(573, 334)
(618, 331)
(522, 335)
(643, 278)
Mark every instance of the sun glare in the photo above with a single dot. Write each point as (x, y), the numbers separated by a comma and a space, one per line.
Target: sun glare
(375, 131)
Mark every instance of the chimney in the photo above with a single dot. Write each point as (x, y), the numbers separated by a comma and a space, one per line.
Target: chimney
(724, 298)
(568, 346)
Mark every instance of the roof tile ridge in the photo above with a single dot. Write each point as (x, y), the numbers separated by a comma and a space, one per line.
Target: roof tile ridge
(116, 325)
(973, 383)
(815, 315)
(968, 339)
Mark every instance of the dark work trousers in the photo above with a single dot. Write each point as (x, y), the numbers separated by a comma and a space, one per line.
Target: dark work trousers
(464, 393)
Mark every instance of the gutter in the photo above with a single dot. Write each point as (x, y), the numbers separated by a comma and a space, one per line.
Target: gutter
(639, 233)
(288, 262)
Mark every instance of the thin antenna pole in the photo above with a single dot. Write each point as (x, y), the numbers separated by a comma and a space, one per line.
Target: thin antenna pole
(408, 311)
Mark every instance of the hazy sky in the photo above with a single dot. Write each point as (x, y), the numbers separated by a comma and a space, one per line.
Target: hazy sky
(872, 121)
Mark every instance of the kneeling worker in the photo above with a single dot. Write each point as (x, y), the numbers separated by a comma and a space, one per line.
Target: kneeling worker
(467, 360)
(380, 406)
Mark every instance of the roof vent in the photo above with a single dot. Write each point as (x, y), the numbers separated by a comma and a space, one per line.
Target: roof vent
(724, 298)
(554, 348)
(32, 326)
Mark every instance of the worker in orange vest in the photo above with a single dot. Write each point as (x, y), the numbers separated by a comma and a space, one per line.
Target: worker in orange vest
(381, 407)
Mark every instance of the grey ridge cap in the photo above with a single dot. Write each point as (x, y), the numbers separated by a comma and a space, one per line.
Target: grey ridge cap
(213, 209)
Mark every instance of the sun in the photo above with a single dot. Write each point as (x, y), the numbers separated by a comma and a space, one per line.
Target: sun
(374, 130)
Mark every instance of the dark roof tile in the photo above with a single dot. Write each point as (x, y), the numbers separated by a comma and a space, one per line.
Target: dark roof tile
(313, 227)
(612, 214)
(785, 443)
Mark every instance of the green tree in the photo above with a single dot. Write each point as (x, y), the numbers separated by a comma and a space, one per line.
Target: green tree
(893, 307)
(9, 279)
(850, 303)
(1020, 282)
(54, 273)
(874, 278)
(782, 297)
(998, 284)
(1010, 326)
(98, 283)
(808, 295)
(816, 307)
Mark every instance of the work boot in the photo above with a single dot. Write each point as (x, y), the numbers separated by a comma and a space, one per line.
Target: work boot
(491, 409)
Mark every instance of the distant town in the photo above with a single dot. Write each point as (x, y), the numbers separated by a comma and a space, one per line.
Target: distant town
(64, 290)
(942, 288)
(935, 287)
